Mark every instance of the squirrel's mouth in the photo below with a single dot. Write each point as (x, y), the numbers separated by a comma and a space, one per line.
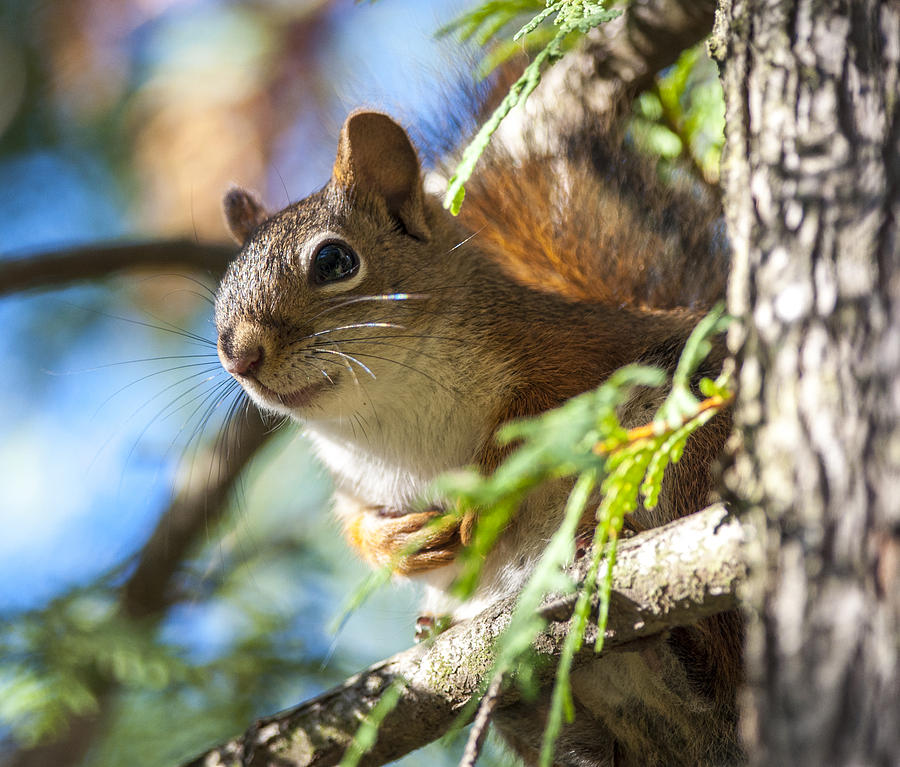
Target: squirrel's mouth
(299, 398)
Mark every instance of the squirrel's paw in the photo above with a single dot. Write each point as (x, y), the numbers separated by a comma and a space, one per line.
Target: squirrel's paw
(409, 543)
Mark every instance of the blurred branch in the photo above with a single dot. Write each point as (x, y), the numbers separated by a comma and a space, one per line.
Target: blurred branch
(674, 123)
(618, 61)
(195, 510)
(653, 34)
(666, 577)
(50, 270)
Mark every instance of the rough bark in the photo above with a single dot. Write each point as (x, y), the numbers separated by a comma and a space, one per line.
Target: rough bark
(91, 262)
(812, 189)
(666, 577)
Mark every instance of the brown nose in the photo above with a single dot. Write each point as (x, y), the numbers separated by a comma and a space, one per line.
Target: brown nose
(243, 362)
(241, 349)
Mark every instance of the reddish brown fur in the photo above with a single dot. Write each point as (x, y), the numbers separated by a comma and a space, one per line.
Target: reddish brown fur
(562, 270)
(609, 232)
(586, 241)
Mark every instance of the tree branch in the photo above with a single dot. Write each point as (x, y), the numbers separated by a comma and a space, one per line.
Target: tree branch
(48, 270)
(196, 508)
(619, 60)
(670, 576)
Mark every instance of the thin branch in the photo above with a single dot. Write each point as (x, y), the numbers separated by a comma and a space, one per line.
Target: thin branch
(666, 577)
(482, 720)
(197, 507)
(620, 60)
(91, 262)
(652, 36)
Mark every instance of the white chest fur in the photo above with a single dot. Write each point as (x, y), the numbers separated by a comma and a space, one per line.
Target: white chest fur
(393, 445)
(371, 476)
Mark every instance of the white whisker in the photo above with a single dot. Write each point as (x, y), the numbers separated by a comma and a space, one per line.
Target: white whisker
(382, 297)
(346, 356)
(463, 242)
(353, 327)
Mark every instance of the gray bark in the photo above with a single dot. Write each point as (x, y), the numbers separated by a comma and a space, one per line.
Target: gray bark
(812, 196)
(666, 577)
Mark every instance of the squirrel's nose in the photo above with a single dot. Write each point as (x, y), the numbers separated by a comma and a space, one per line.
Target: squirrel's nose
(243, 362)
(241, 350)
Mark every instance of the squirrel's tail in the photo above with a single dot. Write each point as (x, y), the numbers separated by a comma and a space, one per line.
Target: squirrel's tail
(593, 221)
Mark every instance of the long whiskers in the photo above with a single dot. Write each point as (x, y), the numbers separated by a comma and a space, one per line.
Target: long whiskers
(206, 367)
(314, 362)
(348, 357)
(396, 362)
(465, 240)
(378, 341)
(408, 336)
(173, 406)
(354, 326)
(208, 355)
(384, 297)
(212, 400)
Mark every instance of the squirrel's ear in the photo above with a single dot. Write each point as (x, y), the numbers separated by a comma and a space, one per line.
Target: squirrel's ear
(375, 154)
(243, 213)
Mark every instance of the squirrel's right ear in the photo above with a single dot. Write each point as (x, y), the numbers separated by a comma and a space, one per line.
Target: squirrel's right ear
(375, 155)
(243, 213)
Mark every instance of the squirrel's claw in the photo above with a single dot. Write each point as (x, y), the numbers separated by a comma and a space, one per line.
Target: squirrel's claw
(409, 543)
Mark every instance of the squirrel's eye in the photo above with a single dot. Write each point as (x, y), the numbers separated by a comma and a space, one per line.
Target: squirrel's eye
(334, 262)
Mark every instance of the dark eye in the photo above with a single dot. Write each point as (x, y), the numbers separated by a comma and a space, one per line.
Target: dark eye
(334, 262)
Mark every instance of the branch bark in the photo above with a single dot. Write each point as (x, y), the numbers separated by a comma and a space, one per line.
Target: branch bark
(670, 576)
(56, 268)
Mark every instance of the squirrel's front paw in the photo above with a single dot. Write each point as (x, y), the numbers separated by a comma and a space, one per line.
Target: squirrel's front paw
(409, 542)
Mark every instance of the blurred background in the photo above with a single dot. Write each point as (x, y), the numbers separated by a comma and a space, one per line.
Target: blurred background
(164, 582)
(128, 121)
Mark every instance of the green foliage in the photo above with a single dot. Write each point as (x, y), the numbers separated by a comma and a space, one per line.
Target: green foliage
(584, 439)
(683, 115)
(555, 445)
(244, 637)
(53, 658)
(572, 18)
(681, 118)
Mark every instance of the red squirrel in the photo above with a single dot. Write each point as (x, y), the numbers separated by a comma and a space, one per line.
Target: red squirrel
(401, 338)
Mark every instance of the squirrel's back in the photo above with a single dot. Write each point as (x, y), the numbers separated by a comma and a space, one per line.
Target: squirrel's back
(596, 225)
(593, 221)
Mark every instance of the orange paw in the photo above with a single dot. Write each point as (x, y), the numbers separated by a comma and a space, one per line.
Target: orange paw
(409, 542)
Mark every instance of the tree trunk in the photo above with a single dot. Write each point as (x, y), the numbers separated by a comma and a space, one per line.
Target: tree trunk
(812, 199)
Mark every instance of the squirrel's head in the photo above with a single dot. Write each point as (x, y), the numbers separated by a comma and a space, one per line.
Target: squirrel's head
(332, 298)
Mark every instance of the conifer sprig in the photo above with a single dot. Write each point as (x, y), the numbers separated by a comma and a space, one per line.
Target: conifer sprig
(584, 437)
(571, 18)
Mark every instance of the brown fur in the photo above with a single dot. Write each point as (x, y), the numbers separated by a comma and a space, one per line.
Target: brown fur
(611, 232)
(552, 280)
(243, 213)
